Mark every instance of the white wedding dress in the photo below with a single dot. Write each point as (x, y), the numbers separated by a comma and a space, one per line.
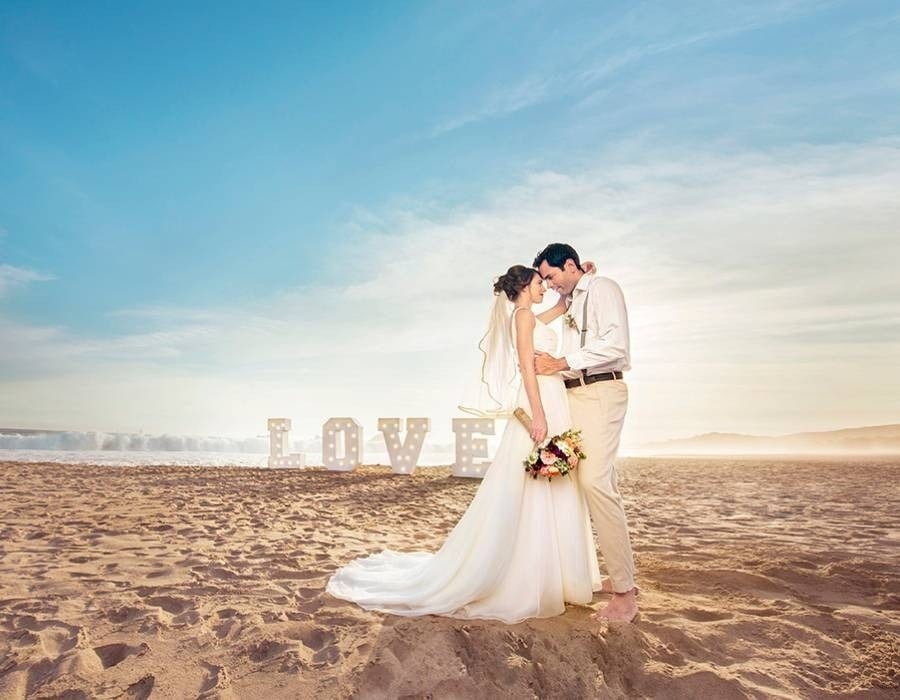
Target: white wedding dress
(522, 549)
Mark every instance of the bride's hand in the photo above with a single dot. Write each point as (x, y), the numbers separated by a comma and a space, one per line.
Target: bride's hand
(589, 267)
(539, 428)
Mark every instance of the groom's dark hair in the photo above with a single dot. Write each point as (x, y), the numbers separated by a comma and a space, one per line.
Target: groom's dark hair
(556, 254)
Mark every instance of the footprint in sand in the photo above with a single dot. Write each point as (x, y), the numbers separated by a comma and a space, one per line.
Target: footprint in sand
(217, 680)
(267, 649)
(701, 615)
(139, 690)
(327, 656)
(31, 623)
(55, 641)
(171, 604)
(321, 641)
(226, 623)
(81, 560)
(339, 620)
(313, 637)
(762, 612)
(216, 572)
(309, 574)
(125, 613)
(309, 607)
(294, 574)
(114, 654)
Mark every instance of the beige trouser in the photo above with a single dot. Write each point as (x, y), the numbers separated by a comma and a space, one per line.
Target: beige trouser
(598, 410)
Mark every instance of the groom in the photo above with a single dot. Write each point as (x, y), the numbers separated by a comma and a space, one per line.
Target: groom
(595, 355)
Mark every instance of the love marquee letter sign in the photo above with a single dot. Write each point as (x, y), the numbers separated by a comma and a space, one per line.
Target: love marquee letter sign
(404, 455)
(469, 448)
(344, 436)
(279, 445)
(342, 444)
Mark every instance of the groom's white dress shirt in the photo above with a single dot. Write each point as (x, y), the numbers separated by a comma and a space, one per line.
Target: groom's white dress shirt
(607, 347)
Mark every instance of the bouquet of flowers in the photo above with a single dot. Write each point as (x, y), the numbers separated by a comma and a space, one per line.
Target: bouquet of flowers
(557, 456)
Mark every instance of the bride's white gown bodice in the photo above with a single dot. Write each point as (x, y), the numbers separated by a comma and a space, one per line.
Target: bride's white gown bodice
(523, 548)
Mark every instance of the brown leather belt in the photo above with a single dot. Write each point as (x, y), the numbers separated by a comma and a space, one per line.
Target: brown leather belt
(591, 378)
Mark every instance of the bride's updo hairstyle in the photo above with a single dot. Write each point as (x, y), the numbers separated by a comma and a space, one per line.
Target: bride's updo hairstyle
(514, 281)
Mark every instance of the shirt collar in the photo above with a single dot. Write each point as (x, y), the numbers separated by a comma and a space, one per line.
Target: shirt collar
(583, 282)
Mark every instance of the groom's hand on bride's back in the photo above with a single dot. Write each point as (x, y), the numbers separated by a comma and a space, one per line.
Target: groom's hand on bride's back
(547, 364)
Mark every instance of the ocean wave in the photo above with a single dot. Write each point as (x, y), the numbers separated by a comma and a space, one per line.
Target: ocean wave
(74, 441)
(95, 447)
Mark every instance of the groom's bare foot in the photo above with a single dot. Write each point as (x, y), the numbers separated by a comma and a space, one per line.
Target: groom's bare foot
(622, 608)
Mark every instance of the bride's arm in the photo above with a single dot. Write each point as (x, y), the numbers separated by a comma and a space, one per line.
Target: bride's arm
(555, 311)
(525, 350)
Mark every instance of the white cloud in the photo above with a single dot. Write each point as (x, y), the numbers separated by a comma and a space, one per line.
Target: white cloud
(645, 31)
(761, 287)
(501, 102)
(16, 277)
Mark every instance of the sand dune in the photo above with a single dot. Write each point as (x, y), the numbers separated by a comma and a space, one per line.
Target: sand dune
(759, 579)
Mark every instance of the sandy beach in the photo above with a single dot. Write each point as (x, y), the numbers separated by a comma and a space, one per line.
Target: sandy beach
(760, 578)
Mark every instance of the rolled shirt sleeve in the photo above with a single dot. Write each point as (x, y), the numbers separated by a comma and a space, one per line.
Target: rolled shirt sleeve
(607, 345)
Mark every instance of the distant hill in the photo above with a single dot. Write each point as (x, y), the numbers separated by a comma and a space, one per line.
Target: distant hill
(880, 439)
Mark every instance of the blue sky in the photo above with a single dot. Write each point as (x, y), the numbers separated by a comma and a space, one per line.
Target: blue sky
(200, 201)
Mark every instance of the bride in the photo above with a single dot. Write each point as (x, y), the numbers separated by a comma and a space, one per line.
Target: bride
(524, 546)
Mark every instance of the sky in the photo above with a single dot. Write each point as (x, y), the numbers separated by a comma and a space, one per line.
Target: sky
(216, 213)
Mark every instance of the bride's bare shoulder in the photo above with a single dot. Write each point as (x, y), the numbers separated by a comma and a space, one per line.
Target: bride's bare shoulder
(524, 317)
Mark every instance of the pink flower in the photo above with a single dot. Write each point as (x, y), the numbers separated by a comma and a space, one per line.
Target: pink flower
(573, 461)
(545, 471)
(547, 457)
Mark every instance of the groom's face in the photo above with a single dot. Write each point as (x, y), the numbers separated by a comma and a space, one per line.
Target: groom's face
(561, 280)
